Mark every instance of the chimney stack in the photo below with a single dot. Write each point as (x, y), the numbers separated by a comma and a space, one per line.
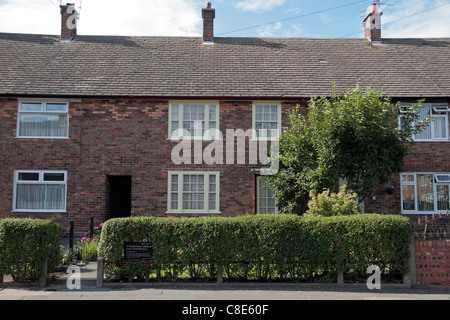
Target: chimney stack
(69, 18)
(208, 16)
(372, 24)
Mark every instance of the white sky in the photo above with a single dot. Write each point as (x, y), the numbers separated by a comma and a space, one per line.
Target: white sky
(183, 17)
(111, 17)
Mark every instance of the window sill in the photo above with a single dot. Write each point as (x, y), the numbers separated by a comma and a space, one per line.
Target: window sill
(45, 138)
(192, 212)
(39, 211)
(422, 212)
(433, 140)
(191, 139)
(265, 139)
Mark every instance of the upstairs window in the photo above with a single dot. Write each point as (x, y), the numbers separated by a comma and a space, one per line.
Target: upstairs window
(437, 130)
(195, 120)
(43, 120)
(267, 120)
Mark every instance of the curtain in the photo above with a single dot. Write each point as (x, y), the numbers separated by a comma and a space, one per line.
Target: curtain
(43, 125)
(440, 129)
(442, 197)
(40, 197)
(426, 133)
(425, 192)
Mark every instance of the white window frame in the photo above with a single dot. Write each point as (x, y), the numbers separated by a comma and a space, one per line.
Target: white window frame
(43, 111)
(258, 194)
(181, 105)
(433, 113)
(414, 184)
(206, 191)
(39, 182)
(254, 130)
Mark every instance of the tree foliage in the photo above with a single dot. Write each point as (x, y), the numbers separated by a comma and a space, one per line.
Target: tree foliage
(352, 135)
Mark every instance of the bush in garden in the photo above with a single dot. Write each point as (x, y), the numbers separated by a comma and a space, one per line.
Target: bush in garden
(261, 247)
(87, 248)
(25, 244)
(335, 204)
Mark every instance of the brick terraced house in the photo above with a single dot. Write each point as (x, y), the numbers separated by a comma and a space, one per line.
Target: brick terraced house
(87, 122)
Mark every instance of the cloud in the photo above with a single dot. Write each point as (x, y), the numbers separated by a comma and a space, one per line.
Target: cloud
(113, 17)
(277, 30)
(259, 5)
(269, 30)
(428, 24)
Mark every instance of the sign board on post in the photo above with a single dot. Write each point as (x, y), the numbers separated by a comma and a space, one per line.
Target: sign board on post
(138, 251)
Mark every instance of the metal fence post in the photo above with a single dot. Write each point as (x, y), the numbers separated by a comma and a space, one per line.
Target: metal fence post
(43, 278)
(100, 265)
(71, 241)
(91, 228)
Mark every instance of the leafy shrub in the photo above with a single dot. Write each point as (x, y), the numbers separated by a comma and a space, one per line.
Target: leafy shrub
(334, 204)
(263, 247)
(24, 246)
(88, 250)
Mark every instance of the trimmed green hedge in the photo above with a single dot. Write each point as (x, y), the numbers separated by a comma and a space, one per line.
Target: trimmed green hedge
(264, 247)
(24, 246)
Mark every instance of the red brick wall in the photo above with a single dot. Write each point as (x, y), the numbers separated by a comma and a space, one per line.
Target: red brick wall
(433, 263)
(118, 137)
(423, 157)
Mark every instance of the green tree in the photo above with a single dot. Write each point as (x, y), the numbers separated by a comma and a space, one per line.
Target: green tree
(353, 135)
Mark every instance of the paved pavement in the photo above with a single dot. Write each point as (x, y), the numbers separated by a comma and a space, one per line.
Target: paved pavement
(59, 290)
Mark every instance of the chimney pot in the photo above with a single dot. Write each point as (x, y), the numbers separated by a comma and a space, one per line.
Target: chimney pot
(69, 17)
(372, 24)
(208, 16)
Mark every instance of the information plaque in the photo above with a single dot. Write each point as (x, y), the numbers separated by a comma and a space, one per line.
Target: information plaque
(138, 251)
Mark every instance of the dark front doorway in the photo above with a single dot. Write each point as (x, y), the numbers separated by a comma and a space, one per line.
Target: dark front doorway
(119, 196)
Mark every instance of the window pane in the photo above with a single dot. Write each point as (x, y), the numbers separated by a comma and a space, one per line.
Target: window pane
(30, 197)
(56, 107)
(34, 107)
(54, 197)
(174, 126)
(425, 194)
(266, 201)
(408, 177)
(408, 198)
(426, 133)
(442, 197)
(440, 129)
(212, 183)
(28, 176)
(174, 201)
(42, 125)
(212, 201)
(40, 197)
(212, 113)
(174, 184)
(175, 112)
(53, 176)
(274, 109)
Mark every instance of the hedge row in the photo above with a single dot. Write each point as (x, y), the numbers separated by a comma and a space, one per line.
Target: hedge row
(24, 246)
(264, 247)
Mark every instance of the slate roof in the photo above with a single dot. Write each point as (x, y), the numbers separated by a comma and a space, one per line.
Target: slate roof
(170, 67)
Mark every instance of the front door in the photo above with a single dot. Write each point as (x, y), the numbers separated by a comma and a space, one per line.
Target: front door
(119, 196)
